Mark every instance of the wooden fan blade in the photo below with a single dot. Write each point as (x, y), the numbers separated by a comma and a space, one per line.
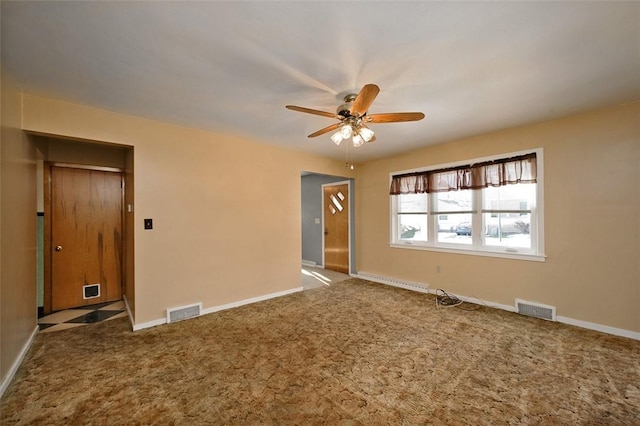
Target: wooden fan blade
(312, 111)
(325, 130)
(364, 100)
(393, 117)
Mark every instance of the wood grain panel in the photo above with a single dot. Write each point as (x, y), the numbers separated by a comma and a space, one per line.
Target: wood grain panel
(336, 222)
(86, 222)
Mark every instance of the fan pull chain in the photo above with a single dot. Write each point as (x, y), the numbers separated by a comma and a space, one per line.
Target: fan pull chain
(346, 157)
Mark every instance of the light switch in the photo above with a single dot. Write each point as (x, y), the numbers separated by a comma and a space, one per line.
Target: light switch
(317, 220)
(148, 224)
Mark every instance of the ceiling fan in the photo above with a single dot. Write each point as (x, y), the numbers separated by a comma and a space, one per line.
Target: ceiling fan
(353, 117)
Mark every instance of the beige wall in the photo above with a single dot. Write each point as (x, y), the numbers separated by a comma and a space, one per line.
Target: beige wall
(226, 209)
(592, 225)
(18, 303)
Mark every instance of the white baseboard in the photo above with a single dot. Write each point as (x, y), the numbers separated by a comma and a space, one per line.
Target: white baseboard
(149, 324)
(309, 263)
(16, 364)
(250, 301)
(599, 327)
(486, 303)
(213, 309)
(565, 320)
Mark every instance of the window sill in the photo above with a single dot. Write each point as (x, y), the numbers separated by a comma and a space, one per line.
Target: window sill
(474, 252)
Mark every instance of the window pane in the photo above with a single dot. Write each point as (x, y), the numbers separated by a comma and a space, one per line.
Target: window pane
(412, 227)
(412, 203)
(507, 229)
(510, 197)
(453, 201)
(455, 229)
(447, 223)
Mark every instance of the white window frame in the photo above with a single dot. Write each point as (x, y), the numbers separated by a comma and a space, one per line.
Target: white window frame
(535, 253)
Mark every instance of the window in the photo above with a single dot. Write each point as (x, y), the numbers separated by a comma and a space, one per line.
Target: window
(412, 217)
(483, 206)
(457, 207)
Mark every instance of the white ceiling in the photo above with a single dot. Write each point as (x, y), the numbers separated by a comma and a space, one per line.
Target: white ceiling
(471, 67)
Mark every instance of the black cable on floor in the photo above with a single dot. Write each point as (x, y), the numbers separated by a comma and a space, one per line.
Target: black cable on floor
(445, 299)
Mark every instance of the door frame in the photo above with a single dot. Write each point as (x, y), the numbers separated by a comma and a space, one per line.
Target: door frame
(349, 221)
(48, 247)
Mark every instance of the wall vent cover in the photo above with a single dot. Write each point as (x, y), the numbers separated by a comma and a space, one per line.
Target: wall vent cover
(536, 310)
(90, 291)
(184, 312)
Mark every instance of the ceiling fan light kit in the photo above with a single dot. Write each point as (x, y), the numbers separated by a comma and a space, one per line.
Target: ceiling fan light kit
(359, 134)
(353, 114)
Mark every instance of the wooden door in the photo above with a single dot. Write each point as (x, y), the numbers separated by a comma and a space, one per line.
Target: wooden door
(336, 227)
(86, 237)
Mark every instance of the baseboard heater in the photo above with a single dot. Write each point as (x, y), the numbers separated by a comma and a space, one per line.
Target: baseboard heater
(536, 310)
(184, 312)
(407, 285)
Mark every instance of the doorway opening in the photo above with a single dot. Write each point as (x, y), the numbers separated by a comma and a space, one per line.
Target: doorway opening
(328, 228)
(85, 232)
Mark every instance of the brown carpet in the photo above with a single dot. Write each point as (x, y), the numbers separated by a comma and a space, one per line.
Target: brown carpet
(354, 353)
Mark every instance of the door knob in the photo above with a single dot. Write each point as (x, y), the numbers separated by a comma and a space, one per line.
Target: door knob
(326, 231)
(58, 248)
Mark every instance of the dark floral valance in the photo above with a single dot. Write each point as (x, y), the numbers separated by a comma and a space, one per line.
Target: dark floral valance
(520, 169)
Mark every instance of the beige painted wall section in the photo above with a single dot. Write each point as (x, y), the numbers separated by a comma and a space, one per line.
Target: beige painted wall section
(18, 303)
(226, 209)
(592, 225)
